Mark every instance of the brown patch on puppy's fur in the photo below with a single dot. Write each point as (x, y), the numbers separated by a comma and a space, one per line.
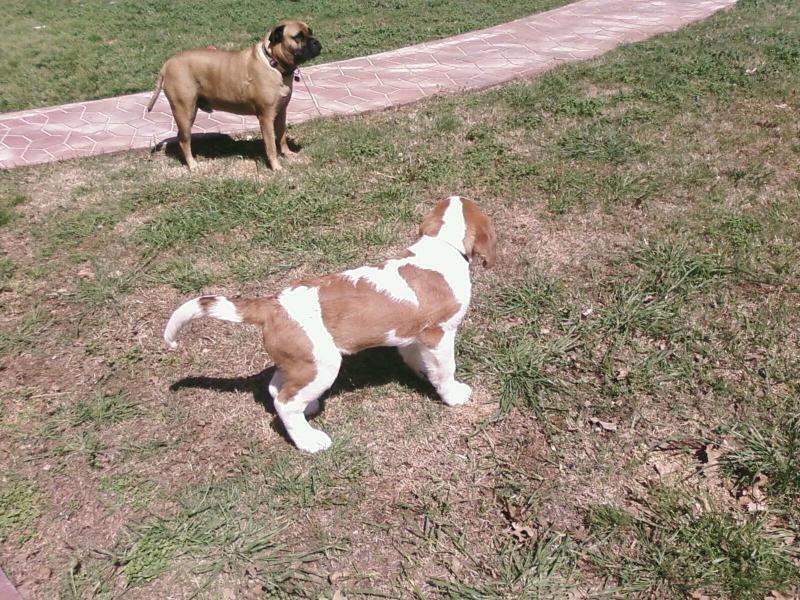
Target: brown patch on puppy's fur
(434, 220)
(359, 316)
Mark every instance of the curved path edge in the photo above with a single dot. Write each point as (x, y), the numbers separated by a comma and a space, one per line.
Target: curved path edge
(470, 61)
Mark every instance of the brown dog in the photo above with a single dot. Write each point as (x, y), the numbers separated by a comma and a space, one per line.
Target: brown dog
(254, 81)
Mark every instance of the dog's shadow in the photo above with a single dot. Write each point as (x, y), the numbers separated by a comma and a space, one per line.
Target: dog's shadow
(219, 145)
(369, 368)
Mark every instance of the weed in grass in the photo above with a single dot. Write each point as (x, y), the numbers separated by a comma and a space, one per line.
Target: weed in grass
(651, 302)
(211, 535)
(7, 268)
(7, 204)
(90, 446)
(771, 450)
(674, 548)
(528, 299)
(25, 333)
(740, 231)
(627, 188)
(102, 409)
(540, 568)
(69, 230)
(19, 508)
(565, 188)
(602, 142)
(182, 274)
(331, 478)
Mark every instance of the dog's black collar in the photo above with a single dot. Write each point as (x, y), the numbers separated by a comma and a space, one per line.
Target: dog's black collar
(464, 256)
(275, 64)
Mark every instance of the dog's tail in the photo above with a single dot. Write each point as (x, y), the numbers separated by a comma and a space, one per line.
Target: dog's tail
(237, 310)
(157, 91)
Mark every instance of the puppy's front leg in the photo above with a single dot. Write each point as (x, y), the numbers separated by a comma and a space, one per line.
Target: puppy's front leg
(440, 366)
(267, 122)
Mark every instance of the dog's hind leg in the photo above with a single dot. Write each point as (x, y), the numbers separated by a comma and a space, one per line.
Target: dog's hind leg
(440, 366)
(275, 385)
(185, 114)
(302, 385)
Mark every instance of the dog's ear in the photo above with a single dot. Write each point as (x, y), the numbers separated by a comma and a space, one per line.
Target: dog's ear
(485, 245)
(276, 35)
(480, 239)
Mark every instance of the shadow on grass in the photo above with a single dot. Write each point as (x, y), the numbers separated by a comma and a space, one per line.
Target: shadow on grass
(219, 145)
(370, 368)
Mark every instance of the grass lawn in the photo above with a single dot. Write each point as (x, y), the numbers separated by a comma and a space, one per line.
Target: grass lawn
(57, 52)
(635, 354)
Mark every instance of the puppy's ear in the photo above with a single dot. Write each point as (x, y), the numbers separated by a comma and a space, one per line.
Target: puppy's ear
(485, 245)
(276, 35)
(480, 239)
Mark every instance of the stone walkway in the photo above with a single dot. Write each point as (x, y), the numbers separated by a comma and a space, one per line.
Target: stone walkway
(473, 60)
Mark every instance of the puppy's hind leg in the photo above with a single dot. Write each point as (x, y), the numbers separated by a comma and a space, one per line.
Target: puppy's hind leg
(275, 385)
(300, 394)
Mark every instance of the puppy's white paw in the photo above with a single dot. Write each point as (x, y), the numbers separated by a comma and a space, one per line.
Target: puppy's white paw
(457, 393)
(313, 441)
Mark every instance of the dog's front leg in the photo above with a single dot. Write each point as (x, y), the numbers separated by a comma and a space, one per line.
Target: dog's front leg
(440, 366)
(267, 122)
(280, 133)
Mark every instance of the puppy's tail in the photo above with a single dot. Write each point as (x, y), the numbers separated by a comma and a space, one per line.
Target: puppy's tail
(157, 91)
(238, 310)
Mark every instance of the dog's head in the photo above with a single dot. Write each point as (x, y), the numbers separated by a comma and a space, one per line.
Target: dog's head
(292, 42)
(460, 222)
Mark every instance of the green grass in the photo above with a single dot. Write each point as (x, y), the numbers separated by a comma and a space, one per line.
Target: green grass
(675, 548)
(772, 450)
(538, 569)
(20, 507)
(211, 537)
(130, 489)
(55, 54)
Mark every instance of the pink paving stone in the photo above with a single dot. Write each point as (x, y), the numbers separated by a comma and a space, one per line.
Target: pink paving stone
(469, 61)
(36, 156)
(16, 142)
(7, 590)
(47, 142)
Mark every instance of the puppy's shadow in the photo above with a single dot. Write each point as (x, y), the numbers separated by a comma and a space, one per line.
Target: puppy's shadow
(369, 368)
(218, 145)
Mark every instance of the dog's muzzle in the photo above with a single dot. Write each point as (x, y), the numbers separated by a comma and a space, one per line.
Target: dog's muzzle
(311, 49)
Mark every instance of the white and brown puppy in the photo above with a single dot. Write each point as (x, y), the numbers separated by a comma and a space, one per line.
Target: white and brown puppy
(414, 302)
(254, 81)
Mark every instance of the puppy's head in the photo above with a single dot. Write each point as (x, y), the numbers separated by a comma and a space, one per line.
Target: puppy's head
(460, 222)
(292, 43)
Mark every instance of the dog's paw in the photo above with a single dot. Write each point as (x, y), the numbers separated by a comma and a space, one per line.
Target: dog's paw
(313, 441)
(457, 393)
